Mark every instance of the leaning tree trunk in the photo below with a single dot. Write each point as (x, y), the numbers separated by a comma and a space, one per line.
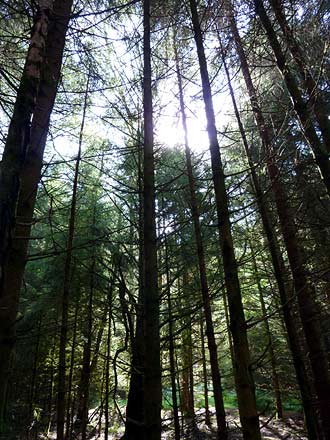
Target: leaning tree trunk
(29, 171)
(304, 291)
(152, 399)
(280, 276)
(301, 106)
(214, 362)
(242, 369)
(13, 158)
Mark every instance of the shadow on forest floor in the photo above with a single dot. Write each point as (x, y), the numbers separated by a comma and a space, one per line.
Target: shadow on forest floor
(290, 428)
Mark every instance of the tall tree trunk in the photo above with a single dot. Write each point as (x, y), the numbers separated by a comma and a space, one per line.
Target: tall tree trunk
(152, 370)
(70, 378)
(242, 369)
(212, 347)
(134, 410)
(86, 371)
(12, 266)
(280, 275)
(302, 107)
(107, 367)
(19, 132)
(34, 372)
(187, 378)
(84, 384)
(304, 291)
(171, 344)
(61, 386)
(269, 338)
(51, 386)
(13, 157)
(205, 378)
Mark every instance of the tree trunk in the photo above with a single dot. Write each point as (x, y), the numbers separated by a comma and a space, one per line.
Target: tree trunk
(171, 345)
(51, 387)
(71, 370)
(152, 370)
(29, 174)
(13, 157)
(205, 379)
(304, 291)
(280, 275)
(107, 367)
(242, 368)
(86, 371)
(215, 371)
(187, 389)
(134, 410)
(18, 138)
(269, 338)
(61, 386)
(83, 388)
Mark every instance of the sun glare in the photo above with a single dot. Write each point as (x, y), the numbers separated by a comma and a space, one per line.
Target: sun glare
(169, 132)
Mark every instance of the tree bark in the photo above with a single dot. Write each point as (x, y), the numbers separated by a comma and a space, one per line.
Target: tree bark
(171, 344)
(107, 367)
(304, 291)
(134, 429)
(83, 389)
(280, 275)
(205, 379)
(212, 347)
(69, 409)
(242, 368)
(61, 386)
(269, 338)
(19, 132)
(34, 372)
(13, 157)
(152, 370)
(27, 181)
(187, 377)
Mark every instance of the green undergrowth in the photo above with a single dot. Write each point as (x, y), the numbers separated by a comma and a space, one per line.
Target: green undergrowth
(265, 400)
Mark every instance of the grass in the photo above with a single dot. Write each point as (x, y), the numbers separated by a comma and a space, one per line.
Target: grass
(265, 400)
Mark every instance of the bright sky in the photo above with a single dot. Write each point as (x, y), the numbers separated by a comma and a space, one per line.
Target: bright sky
(169, 129)
(124, 64)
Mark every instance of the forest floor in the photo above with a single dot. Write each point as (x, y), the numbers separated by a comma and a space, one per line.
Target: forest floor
(290, 428)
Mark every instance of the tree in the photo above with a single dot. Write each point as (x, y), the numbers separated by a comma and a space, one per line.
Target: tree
(152, 370)
(22, 161)
(243, 377)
